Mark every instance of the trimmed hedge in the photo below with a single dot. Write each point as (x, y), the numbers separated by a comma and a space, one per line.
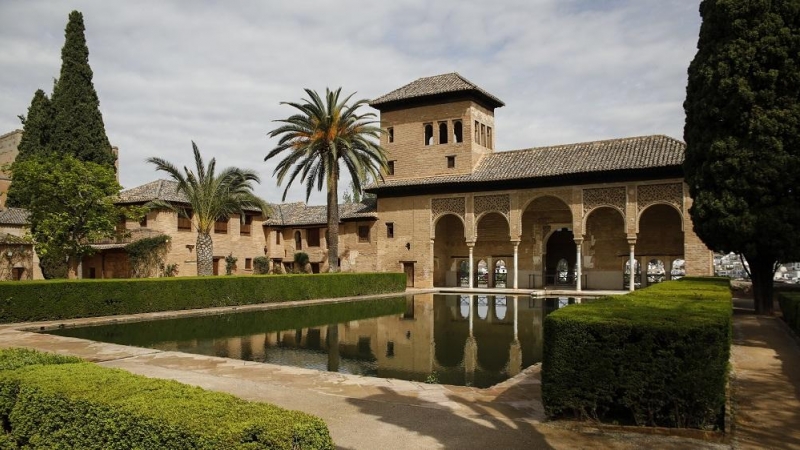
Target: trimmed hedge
(790, 306)
(26, 301)
(655, 357)
(82, 405)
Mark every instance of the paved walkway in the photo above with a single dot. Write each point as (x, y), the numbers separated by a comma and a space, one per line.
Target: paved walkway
(367, 413)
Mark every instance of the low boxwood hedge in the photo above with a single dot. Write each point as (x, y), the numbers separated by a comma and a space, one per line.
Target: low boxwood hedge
(790, 307)
(68, 404)
(656, 357)
(66, 299)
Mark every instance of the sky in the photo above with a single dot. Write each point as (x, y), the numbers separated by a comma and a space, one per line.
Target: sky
(214, 72)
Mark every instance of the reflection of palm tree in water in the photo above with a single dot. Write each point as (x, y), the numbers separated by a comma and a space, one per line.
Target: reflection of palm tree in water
(332, 341)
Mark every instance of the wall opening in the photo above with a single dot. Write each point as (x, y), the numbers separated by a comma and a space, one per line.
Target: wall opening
(458, 132)
(428, 134)
(443, 132)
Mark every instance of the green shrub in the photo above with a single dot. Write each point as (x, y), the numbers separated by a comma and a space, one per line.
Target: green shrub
(790, 306)
(656, 357)
(260, 265)
(81, 405)
(65, 299)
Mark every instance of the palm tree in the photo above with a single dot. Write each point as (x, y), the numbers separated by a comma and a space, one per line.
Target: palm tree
(320, 136)
(211, 197)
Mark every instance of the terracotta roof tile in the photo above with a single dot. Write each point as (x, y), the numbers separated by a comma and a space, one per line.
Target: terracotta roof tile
(14, 216)
(435, 85)
(642, 152)
(164, 190)
(299, 214)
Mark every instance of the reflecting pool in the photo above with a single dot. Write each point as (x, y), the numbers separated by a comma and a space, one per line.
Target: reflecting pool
(472, 340)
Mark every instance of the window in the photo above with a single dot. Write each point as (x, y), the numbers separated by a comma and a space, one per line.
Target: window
(185, 220)
(248, 264)
(390, 168)
(477, 132)
(277, 237)
(483, 135)
(312, 237)
(221, 226)
(246, 226)
(390, 349)
(363, 233)
(489, 137)
(451, 162)
(143, 222)
(390, 133)
(298, 241)
(428, 134)
(458, 132)
(443, 132)
(314, 267)
(121, 226)
(389, 230)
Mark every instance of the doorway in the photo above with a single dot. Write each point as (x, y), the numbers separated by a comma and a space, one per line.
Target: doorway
(408, 268)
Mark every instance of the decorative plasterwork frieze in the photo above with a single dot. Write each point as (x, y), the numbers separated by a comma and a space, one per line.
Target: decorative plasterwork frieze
(494, 203)
(650, 194)
(450, 205)
(610, 196)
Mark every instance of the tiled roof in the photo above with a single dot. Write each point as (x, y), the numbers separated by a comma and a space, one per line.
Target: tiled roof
(11, 239)
(634, 153)
(121, 242)
(164, 190)
(14, 216)
(298, 213)
(436, 85)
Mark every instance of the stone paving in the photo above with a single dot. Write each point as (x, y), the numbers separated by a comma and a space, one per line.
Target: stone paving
(365, 412)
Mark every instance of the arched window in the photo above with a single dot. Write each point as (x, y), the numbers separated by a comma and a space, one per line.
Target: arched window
(458, 132)
(443, 132)
(298, 241)
(500, 274)
(637, 279)
(483, 274)
(656, 273)
(428, 134)
(678, 269)
(562, 271)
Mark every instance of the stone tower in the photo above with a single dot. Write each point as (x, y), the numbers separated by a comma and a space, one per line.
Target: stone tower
(439, 125)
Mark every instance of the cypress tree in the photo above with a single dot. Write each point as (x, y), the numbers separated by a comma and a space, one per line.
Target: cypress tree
(37, 128)
(742, 134)
(78, 128)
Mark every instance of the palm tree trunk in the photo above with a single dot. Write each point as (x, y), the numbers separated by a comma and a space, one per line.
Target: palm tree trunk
(333, 221)
(205, 254)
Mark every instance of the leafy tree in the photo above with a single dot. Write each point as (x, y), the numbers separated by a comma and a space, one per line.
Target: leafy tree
(70, 204)
(36, 127)
(320, 136)
(742, 134)
(211, 197)
(301, 262)
(78, 128)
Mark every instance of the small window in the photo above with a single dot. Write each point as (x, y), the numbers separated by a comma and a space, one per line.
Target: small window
(389, 230)
(390, 133)
(428, 134)
(489, 137)
(390, 349)
(443, 132)
(298, 241)
(185, 220)
(246, 226)
(143, 222)
(363, 233)
(458, 132)
(451, 162)
(483, 135)
(312, 237)
(277, 237)
(390, 167)
(221, 226)
(477, 132)
(248, 264)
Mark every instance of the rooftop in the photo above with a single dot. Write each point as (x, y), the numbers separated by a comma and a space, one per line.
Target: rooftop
(164, 190)
(298, 213)
(14, 216)
(436, 86)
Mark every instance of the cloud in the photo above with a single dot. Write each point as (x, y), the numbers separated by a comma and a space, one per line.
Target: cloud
(215, 72)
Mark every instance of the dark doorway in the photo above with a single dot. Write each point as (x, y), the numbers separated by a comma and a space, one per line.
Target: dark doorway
(560, 249)
(408, 268)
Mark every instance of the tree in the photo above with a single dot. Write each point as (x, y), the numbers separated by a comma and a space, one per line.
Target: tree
(71, 204)
(36, 127)
(211, 197)
(323, 134)
(78, 128)
(742, 134)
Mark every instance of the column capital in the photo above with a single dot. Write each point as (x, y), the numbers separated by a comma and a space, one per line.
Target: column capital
(578, 241)
(470, 244)
(516, 242)
(631, 240)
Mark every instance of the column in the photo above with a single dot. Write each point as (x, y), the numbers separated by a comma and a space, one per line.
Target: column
(516, 265)
(632, 262)
(471, 264)
(578, 264)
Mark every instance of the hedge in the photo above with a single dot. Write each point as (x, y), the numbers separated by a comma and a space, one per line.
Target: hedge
(69, 404)
(655, 357)
(26, 301)
(790, 306)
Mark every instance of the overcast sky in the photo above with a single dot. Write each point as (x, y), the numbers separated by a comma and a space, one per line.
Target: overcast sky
(168, 72)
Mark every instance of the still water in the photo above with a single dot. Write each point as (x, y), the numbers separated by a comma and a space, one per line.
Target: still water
(472, 340)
